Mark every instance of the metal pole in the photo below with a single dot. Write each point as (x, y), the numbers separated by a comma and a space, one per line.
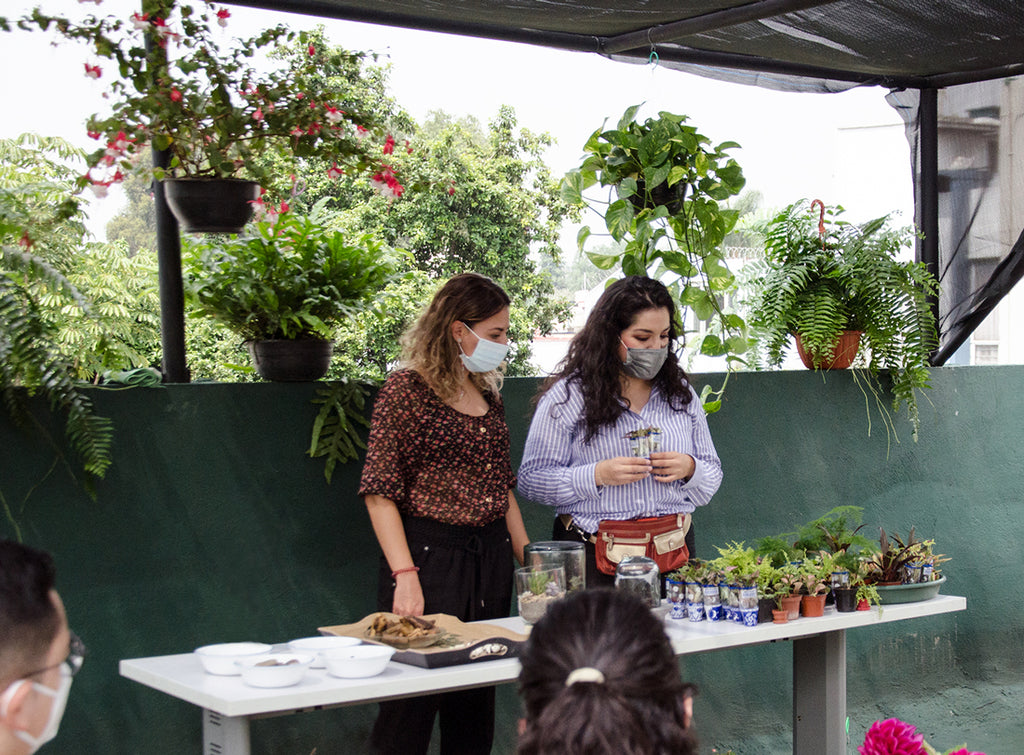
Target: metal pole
(928, 187)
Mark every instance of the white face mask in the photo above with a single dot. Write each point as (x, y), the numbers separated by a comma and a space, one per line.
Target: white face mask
(644, 364)
(487, 356)
(60, 700)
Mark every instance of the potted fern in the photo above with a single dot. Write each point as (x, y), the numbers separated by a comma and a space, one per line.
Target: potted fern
(823, 279)
(285, 288)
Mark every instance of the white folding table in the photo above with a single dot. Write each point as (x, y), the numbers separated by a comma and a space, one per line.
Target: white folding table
(819, 676)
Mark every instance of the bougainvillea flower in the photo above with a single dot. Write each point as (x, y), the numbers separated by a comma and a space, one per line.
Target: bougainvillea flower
(389, 145)
(892, 737)
(93, 72)
(222, 16)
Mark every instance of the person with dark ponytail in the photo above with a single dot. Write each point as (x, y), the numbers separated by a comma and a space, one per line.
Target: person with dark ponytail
(599, 676)
(619, 435)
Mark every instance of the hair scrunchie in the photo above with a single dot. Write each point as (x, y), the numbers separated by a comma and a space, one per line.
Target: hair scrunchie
(587, 674)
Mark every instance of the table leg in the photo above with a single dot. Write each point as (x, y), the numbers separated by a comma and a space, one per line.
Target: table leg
(819, 694)
(225, 735)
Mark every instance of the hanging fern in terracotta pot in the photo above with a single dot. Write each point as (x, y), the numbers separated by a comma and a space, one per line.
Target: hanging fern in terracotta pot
(822, 276)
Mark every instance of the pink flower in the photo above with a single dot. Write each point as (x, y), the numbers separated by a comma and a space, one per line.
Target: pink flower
(311, 51)
(314, 129)
(892, 737)
(222, 16)
(408, 147)
(93, 72)
(389, 145)
(298, 131)
(451, 189)
(361, 131)
(140, 21)
(175, 95)
(25, 242)
(334, 171)
(93, 134)
(386, 184)
(333, 114)
(258, 115)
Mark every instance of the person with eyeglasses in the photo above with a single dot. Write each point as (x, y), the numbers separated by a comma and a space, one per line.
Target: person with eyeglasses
(39, 654)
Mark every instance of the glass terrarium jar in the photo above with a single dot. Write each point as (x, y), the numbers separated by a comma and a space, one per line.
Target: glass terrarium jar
(567, 554)
(640, 575)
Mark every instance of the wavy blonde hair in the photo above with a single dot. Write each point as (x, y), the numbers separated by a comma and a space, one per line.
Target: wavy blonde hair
(428, 346)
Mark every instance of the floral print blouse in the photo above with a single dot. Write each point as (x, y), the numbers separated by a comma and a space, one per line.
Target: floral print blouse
(434, 461)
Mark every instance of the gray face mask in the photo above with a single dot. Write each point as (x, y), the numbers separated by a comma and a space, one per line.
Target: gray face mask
(644, 364)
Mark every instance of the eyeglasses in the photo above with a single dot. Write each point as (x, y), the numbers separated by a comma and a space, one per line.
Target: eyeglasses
(74, 661)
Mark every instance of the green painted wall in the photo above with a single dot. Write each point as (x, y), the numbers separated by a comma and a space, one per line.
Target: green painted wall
(213, 525)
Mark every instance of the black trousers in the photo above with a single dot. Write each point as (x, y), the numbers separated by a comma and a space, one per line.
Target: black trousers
(465, 572)
(596, 578)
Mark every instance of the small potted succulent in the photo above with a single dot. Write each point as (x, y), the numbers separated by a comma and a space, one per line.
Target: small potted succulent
(536, 588)
(174, 85)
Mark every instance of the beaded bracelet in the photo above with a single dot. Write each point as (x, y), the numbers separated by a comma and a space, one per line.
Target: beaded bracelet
(407, 569)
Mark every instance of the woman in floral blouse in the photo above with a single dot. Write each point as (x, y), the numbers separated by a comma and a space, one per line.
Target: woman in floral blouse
(438, 487)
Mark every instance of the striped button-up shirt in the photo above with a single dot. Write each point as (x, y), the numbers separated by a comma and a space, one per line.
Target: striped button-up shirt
(558, 467)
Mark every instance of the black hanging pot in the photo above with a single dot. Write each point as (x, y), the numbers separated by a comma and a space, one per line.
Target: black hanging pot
(283, 360)
(211, 205)
(672, 198)
(846, 598)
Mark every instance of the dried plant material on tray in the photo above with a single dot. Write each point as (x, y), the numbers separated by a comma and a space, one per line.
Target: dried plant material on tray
(455, 642)
(403, 631)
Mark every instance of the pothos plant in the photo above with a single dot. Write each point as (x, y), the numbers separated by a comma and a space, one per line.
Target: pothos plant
(665, 184)
(215, 107)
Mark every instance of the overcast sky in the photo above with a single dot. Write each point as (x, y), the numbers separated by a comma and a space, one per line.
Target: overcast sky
(844, 148)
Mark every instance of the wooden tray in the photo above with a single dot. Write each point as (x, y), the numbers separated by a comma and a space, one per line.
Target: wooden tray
(460, 642)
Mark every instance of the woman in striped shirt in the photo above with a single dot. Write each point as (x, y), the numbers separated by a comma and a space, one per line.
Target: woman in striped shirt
(619, 433)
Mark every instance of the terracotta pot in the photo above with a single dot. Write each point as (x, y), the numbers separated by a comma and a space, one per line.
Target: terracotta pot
(791, 605)
(813, 605)
(780, 615)
(842, 356)
(863, 605)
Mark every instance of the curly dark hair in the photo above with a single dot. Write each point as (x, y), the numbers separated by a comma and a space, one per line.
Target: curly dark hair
(639, 708)
(591, 361)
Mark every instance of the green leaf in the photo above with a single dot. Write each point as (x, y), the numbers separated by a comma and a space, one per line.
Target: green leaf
(619, 218)
(571, 188)
(603, 261)
(581, 237)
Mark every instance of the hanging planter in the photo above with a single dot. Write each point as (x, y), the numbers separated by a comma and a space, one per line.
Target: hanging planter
(842, 355)
(211, 205)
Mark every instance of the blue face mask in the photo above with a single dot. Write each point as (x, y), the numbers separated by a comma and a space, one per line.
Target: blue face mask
(487, 356)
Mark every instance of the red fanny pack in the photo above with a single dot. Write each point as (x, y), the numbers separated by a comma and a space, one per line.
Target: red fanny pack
(662, 538)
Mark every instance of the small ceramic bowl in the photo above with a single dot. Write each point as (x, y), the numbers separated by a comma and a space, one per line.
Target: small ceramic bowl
(317, 645)
(357, 661)
(220, 659)
(275, 669)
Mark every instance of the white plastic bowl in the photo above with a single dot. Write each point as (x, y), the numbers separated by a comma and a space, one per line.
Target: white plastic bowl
(220, 659)
(288, 669)
(357, 661)
(317, 645)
